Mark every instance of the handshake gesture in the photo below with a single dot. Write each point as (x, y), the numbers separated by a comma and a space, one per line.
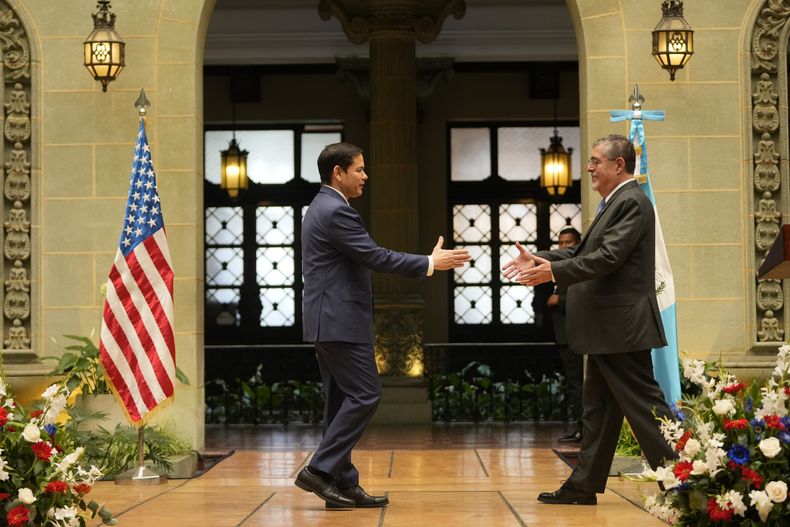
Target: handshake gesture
(444, 259)
(528, 269)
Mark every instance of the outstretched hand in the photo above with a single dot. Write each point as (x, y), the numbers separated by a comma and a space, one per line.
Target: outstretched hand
(444, 259)
(519, 264)
(539, 274)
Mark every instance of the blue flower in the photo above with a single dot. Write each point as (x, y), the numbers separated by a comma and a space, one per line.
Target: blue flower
(50, 429)
(749, 404)
(677, 412)
(784, 437)
(758, 425)
(739, 454)
(786, 422)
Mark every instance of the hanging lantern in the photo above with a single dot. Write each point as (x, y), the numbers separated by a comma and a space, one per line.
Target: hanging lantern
(234, 169)
(555, 163)
(673, 38)
(104, 49)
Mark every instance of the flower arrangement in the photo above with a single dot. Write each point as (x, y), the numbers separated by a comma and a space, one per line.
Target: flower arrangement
(733, 446)
(41, 480)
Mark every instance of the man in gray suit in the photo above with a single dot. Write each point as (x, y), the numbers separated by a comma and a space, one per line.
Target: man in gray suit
(612, 316)
(338, 256)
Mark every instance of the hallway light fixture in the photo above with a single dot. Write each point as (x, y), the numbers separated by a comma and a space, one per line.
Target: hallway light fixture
(673, 38)
(104, 50)
(234, 165)
(555, 164)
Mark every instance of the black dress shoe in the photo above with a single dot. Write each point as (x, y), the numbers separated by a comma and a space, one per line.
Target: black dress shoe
(575, 437)
(567, 495)
(324, 488)
(361, 498)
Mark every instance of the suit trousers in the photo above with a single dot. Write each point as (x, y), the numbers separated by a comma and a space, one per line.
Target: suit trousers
(573, 364)
(352, 390)
(617, 385)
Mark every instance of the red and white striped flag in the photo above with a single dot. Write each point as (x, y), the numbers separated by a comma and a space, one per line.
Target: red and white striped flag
(137, 345)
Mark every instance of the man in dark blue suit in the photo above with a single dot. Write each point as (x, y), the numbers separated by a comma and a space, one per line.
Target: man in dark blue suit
(338, 256)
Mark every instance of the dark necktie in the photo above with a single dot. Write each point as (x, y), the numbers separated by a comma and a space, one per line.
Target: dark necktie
(601, 205)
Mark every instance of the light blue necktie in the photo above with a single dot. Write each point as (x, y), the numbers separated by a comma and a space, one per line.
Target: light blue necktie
(601, 205)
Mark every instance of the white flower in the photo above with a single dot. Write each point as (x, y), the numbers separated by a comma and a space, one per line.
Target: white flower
(69, 460)
(777, 491)
(723, 407)
(26, 496)
(31, 433)
(692, 447)
(770, 447)
(50, 392)
(57, 406)
(762, 503)
(735, 500)
(699, 468)
(3, 473)
(3, 392)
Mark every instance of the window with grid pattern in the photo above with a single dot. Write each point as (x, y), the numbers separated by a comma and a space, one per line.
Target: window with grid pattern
(495, 201)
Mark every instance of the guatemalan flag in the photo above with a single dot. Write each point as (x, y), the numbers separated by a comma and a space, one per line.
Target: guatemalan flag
(137, 344)
(665, 360)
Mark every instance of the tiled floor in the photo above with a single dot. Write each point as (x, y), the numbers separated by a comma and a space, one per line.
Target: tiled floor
(434, 476)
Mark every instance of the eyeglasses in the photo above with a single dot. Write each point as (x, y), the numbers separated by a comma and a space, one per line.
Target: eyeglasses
(594, 161)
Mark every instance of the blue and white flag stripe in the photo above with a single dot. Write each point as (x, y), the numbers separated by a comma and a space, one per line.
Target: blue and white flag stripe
(665, 360)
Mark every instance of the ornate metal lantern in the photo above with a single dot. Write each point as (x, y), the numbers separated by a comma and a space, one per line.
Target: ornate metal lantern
(104, 49)
(673, 38)
(555, 164)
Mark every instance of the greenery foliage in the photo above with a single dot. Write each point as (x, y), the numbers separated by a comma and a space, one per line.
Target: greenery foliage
(473, 395)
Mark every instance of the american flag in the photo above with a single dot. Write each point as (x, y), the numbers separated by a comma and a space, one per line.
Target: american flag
(137, 345)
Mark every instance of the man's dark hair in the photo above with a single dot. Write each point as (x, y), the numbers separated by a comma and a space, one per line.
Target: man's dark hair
(573, 232)
(336, 154)
(616, 146)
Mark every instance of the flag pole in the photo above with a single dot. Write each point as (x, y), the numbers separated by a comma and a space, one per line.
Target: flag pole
(141, 475)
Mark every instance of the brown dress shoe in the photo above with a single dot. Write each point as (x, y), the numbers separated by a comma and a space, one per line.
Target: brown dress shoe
(567, 495)
(361, 498)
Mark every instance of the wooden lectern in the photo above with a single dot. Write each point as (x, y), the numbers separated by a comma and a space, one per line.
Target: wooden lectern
(777, 261)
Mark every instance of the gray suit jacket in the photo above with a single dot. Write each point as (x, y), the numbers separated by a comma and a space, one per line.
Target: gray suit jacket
(610, 275)
(338, 256)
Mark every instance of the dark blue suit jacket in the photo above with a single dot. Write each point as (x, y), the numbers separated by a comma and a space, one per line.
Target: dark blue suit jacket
(338, 256)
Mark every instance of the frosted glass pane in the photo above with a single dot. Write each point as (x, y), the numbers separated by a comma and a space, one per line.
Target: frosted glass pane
(519, 150)
(224, 266)
(277, 307)
(312, 144)
(518, 222)
(270, 159)
(274, 226)
(470, 153)
(224, 225)
(472, 305)
(275, 266)
(471, 223)
(565, 215)
(515, 305)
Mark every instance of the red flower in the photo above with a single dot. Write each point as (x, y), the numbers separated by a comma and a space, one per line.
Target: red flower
(733, 388)
(683, 470)
(736, 424)
(36, 413)
(81, 488)
(718, 514)
(3, 496)
(682, 441)
(787, 390)
(11, 428)
(42, 450)
(752, 476)
(3, 416)
(56, 487)
(18, 516)
(773, 421)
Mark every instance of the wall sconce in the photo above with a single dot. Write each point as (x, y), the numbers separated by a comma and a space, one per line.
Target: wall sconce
(104, 49)
(673, 38)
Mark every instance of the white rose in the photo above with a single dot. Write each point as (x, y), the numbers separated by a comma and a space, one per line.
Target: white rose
(692, 447)
(770, 447)
(31, 433)
(723, 407)
(699, 467)
(50, 392)
(762, 503)
(777, 491)
(26, 496)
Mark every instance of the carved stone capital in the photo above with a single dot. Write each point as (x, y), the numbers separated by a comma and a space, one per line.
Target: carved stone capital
(361, 19)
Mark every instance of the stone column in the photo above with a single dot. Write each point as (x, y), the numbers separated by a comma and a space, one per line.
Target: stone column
(392, 28)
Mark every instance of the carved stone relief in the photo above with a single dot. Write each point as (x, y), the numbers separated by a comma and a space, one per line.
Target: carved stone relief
(767, 134)
(17, 185)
